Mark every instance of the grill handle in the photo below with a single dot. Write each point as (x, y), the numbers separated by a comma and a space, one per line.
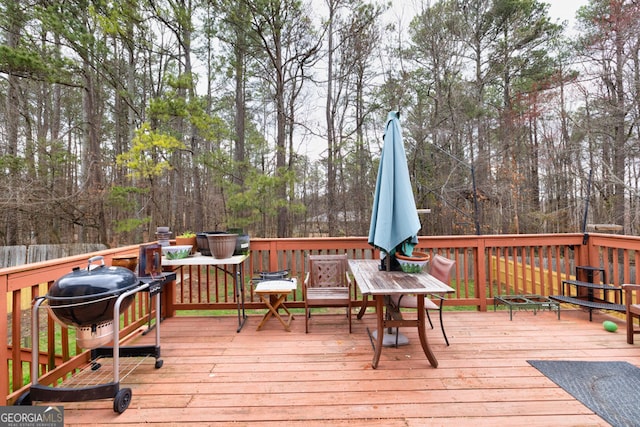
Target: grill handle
(95, 259)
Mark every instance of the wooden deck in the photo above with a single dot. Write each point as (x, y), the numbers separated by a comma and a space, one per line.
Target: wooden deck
(215, 376)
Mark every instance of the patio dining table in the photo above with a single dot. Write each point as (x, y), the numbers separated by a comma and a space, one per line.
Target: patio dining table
(383, 284)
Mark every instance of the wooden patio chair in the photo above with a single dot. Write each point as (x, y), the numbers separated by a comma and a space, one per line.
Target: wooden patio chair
(632, 310)
(440, 269)
(327, 284)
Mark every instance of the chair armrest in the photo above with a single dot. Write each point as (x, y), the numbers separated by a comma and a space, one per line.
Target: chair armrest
(628, 290)
(305, 283)
(348, 279)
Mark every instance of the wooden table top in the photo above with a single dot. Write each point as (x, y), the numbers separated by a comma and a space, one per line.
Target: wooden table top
(198, 259)
(372, 281)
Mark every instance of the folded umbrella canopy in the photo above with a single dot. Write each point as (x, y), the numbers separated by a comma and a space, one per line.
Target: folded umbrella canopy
(394, 218)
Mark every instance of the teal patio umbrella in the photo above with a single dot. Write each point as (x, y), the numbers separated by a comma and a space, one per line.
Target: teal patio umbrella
(394, 217)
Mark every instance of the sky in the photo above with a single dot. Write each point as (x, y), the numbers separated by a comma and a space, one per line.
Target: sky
(565, 10)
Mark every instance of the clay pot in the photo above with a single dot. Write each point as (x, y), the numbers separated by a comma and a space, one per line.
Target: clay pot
(222, 245)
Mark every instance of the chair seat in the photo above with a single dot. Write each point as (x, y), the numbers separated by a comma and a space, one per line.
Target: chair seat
(327, 296)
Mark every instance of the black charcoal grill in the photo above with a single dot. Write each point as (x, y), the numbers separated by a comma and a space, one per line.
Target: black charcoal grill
(91, 300)
(85, 299)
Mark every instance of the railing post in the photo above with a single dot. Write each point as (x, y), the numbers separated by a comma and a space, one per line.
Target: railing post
(273, 255)
(586, 254)
(593, 256)
(168, 300)
(4, 325)
(480, 276)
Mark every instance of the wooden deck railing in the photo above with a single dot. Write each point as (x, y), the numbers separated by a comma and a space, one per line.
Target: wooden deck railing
(486, 266)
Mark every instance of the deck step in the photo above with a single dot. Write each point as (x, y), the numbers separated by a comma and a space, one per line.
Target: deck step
(589, 285)
(589, 304)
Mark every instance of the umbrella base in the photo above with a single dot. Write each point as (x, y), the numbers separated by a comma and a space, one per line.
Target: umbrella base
(389, 338)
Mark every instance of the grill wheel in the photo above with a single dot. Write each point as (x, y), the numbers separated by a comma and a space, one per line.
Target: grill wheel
(122, 400)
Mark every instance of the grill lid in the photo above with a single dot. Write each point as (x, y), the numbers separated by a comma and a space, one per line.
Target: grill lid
(96, 281)
(87, 296)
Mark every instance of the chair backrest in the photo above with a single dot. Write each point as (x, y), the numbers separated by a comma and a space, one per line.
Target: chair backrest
(328, 271)
(441, 268)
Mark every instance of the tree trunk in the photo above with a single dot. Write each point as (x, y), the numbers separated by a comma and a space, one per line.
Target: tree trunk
(619, 150)
(93, 155)
(329, 117)
(12, 36)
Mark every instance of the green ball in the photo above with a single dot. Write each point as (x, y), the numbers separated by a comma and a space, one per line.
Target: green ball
(610, 326)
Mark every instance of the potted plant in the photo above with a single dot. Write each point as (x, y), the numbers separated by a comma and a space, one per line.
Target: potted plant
(187, 238)
(414, 263)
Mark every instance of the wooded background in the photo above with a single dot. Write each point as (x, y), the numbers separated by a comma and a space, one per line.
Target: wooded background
(268, 115)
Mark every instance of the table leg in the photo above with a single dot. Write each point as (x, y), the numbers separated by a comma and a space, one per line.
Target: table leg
(273, 311)
(267, 300)
(422, 333)
(363, 307)
(239, 285)
(284, 307)
(380, 335)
